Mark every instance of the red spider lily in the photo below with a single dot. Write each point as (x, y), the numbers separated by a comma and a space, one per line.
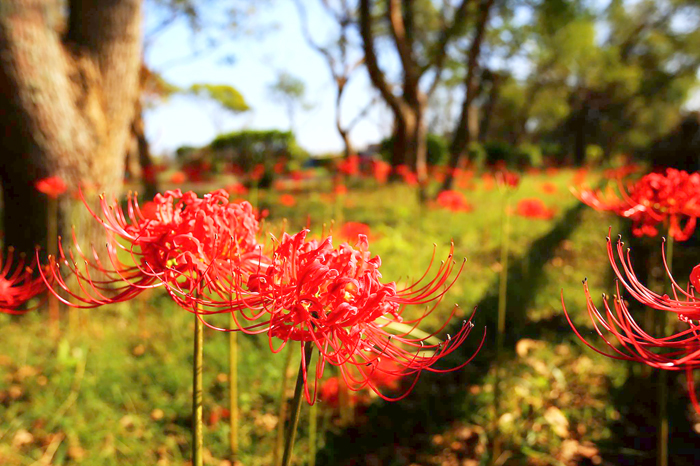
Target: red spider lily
(329, 391)
(533, 208)
(626, 338)
(257, 172)
(488, 181)
(350, 165)
(17, 284)
(287, 200)
(549, 188)
(340, 190)
(350, 231)
(507, 179)
(52, 186)
(454, 201)
(333, 298)
(237, 188)
(178, 240)
(621, 172)
(178, 178)
(669, 198)
(280, 166)
(148, 174)
(381, 171)
(579, 177)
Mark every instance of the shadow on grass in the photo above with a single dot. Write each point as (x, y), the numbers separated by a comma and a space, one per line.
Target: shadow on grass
(396, 432)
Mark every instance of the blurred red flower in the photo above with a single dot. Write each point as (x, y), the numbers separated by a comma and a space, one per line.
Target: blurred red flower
(454, 201)
(237, 189)
(350, 231)
(549, 188)
(349, 165)
(178, 178)
(52, 186)
(18, 284)
(670, 198)
(381, 171)
(533, 208)
(257, 172)
(287, 200)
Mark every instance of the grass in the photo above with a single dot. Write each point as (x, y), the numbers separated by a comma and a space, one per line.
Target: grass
(116, 388)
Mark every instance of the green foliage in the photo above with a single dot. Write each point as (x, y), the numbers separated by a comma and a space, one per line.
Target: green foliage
(436, 146)
(226, 96)
(249, 148)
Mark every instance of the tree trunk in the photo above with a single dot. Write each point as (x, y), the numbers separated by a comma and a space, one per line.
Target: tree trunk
(70, 103)
(464, 133)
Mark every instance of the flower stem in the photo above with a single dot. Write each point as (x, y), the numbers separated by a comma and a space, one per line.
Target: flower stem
(197, 426)
(501, 325)
(662, 392)
(313, 433)
(52, 249)
(279, 444)
(233, 392)
(296, 405)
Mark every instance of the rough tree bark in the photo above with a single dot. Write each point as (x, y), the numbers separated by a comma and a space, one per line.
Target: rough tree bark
(69, 102)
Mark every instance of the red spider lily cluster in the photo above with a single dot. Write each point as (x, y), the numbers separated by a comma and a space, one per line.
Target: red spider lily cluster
(454, 201)
(178, 240)
(334, 298)
(670, 198)
(205, 253)
(628, 340)
(534, 208)
(18, 284)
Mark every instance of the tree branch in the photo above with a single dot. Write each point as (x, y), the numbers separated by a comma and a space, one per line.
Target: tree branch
(375, 73)
(398, 32)
(439, 49)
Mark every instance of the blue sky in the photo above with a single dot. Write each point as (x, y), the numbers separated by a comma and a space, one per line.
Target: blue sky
(257, 60)
(186, 120)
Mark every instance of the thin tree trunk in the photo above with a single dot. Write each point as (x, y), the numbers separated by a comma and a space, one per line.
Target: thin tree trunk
(69, 105)
(463, 134)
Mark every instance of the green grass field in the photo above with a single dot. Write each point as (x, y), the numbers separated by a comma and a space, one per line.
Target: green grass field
(115, 389)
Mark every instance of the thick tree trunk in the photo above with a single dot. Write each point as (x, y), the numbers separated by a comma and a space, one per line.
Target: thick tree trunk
(70, 104)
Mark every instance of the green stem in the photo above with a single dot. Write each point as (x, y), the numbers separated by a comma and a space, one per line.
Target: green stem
(233, 392)
(296, 405)
(197, 426)
(52, 250)
(662, 392)
(313, 423)
(279, 444)
(501, 326)
(503, 282)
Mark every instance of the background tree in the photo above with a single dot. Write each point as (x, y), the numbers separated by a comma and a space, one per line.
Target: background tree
(341, 56)
(70, 83)
(420, 35)
(290, 90)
